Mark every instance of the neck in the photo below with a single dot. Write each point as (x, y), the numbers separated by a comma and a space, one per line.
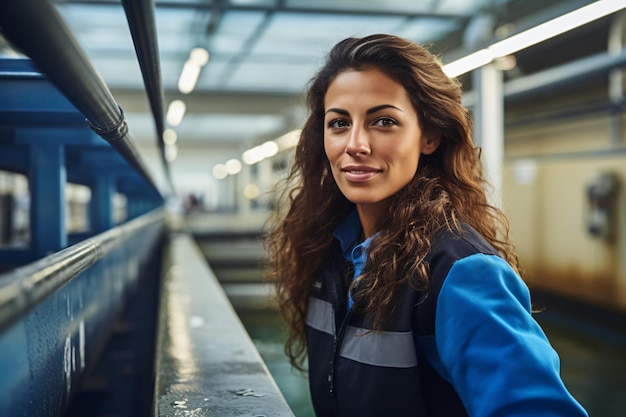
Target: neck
(370, 214)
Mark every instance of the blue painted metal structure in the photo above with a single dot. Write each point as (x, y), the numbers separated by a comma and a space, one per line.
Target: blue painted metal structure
(44, 137)
(79, 313)
(62, 292)
(56, 314)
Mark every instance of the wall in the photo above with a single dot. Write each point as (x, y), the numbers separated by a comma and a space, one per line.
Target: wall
(548, 168)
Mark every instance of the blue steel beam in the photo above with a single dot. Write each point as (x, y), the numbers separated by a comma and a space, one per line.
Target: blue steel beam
(101, 204)
(14, 158)
(78, 135)
(28, 97)
(46, 180)
(13, 256)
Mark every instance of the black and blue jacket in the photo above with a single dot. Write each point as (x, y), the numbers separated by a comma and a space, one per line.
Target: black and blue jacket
(471, 349)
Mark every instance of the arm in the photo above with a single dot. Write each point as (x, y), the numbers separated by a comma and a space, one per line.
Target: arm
(494, 353)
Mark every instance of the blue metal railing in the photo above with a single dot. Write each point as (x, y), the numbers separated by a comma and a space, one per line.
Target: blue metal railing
(64, 293)
(56, 314)
(66, 296)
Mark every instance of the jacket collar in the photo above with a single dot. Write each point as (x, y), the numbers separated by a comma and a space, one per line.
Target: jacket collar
(349, 233)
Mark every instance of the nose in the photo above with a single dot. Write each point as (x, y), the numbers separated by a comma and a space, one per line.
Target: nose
(358, 143)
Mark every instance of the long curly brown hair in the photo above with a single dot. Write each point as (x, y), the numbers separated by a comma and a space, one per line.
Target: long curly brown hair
(447, 189)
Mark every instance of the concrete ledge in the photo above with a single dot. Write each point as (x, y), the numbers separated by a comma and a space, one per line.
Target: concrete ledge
(206, 364)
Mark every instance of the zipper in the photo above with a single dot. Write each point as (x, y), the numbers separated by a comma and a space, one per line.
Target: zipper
(337, 339)
(338, 336)
(335, 294)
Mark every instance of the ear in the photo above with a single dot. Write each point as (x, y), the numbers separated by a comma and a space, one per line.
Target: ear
(431, 143)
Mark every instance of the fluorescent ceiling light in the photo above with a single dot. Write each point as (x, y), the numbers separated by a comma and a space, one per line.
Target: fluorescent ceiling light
(170, 137)
(289, 139)
(271, 147)
(171, 152)
(176, 112)
(556, 27)
(220, 171)
(540, 33)
(188, 77)
(261, 152)
(468, 63)
(233, 166)
(251, 191)
(198, 57)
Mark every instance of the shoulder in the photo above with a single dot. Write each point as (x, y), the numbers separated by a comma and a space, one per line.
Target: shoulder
(448, 248)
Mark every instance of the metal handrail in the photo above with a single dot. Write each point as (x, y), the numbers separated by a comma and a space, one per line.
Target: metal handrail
(37, 29)
(141, 22)
(24, 288)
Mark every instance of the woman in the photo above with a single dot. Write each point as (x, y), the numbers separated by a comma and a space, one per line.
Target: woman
(393, 272)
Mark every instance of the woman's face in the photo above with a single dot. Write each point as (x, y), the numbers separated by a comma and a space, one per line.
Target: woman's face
(372, 136)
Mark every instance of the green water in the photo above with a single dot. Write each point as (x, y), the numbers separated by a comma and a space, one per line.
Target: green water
(268, 334)
(593, 363)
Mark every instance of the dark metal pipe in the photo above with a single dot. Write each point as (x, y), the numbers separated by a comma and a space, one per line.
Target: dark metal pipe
(566, 74)
(550, 80)
(140, 16)
(35, 27)
(24, 288)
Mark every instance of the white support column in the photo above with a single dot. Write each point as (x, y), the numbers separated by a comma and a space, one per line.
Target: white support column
(266, 182)
(617, 34)
(243, 179)
(489, 127)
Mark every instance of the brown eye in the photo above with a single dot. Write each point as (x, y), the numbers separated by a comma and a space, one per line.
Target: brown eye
(337, 124)
(385, 122)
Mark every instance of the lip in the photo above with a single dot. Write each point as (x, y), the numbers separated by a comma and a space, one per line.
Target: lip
(359, 173)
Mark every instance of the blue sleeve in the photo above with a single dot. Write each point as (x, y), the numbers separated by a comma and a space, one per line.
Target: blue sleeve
(494, 353)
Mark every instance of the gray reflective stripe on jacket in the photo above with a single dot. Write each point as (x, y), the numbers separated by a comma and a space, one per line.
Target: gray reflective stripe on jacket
(388, 349)
(382, 348)
(321, 316)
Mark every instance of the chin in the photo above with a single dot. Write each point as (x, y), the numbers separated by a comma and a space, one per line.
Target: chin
(365, 200)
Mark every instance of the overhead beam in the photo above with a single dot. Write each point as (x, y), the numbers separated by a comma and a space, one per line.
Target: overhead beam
(216, 103)
(280, 7)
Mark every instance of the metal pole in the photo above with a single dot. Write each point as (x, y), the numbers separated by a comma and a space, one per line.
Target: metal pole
(489, 128)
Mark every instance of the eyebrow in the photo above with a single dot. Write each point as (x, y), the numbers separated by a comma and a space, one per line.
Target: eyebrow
(368, 112)
(381, 107)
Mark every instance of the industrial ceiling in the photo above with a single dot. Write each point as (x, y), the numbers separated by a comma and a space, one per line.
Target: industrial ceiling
(262, 53)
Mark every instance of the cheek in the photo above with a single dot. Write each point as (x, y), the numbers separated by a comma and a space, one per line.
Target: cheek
(330, 150)
(408, 164)
(412, 155)
(411, 167)
(405, 155)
